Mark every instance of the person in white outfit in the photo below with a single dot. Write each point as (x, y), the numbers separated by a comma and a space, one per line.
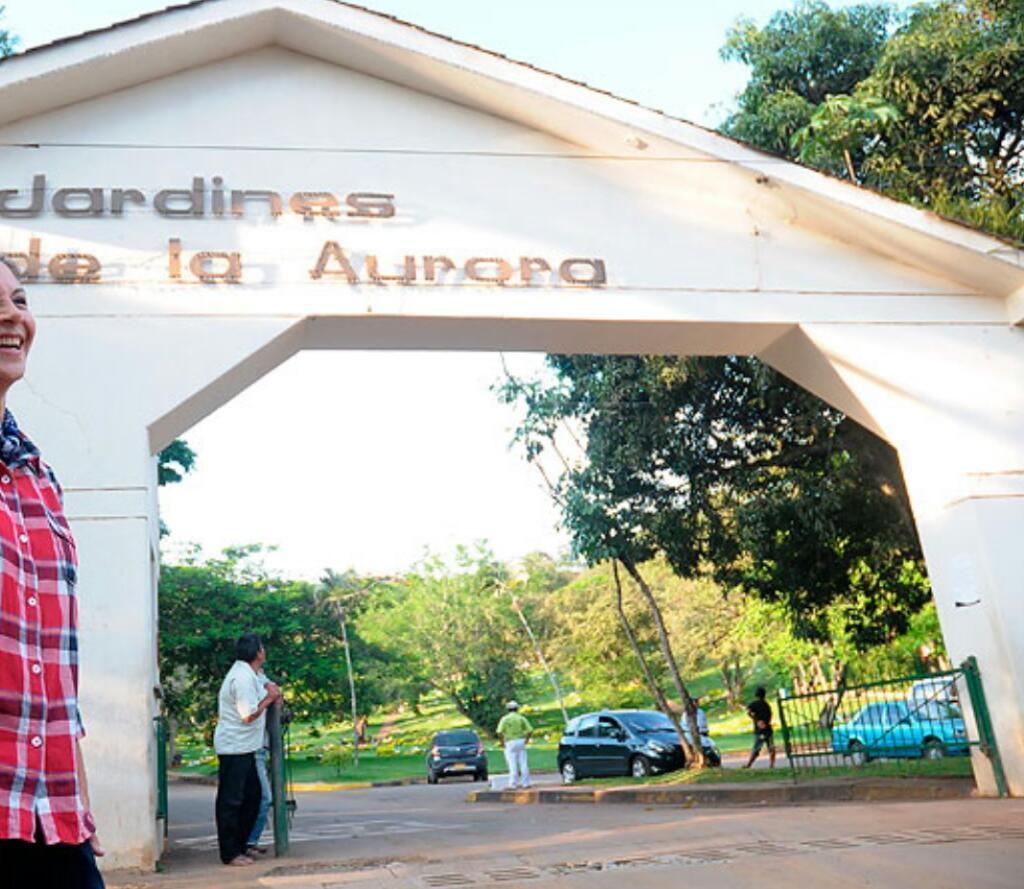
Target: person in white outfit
(514, 732)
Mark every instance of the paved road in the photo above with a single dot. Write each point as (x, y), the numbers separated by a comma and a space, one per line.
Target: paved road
(423, 836)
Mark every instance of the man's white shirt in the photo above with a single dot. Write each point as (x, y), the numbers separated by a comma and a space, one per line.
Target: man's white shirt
(240, 695)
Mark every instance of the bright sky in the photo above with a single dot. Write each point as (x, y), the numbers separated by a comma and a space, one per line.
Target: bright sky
(412, 452)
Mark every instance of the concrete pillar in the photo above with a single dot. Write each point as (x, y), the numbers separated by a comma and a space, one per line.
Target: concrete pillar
(134, 385)
(951, 399)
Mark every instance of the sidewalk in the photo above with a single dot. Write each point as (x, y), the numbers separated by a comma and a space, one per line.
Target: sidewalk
(767, 793)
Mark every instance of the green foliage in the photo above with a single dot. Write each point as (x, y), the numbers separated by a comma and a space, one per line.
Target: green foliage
(956, 73)
(708, 628)
(205, 606)
(796, 61)
(454, 630)
(587, 643)
(8, 42)
(838, 126)
(927, 107)
(175, 462)
(723, 465)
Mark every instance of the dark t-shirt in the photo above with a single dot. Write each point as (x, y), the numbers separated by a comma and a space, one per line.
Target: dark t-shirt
(760, 711)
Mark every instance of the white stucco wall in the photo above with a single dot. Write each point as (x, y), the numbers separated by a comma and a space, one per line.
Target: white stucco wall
(700, 259)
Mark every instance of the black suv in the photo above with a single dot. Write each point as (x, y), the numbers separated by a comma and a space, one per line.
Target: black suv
(457, 752)
(622, 742)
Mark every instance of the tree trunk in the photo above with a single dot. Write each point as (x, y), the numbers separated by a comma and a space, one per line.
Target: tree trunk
(652, 684)
(732, 680)
(666, 649)
(172, 742)
(351, 688)
(543, 661)
(849, 165)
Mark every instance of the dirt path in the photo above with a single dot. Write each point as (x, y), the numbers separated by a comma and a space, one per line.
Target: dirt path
(386, 727)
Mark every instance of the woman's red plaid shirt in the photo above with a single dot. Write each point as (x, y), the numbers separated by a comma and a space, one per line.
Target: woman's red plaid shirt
(39, 718)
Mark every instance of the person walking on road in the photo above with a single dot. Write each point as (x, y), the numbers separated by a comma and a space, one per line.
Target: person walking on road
(241, 723)
(514, 732)
(760, 711)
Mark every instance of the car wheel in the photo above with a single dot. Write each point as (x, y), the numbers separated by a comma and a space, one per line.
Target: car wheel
(858, 755)
(568, 772)
(431, 777)
(933, 749)
(640, 767)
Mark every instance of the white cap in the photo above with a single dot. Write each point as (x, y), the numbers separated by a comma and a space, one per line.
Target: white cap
(512, 705)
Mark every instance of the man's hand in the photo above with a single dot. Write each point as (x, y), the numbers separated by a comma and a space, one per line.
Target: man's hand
(274, 691)
(97, 846)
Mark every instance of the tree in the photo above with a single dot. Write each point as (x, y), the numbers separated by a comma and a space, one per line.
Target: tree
(172, 465)
(927, 107)
(724, 465)
(8, 42)
(713, 625)
(840, 125)
(602, 525)
(586, 639)
(955, 71)
(344, 593)
(799, 59)
(206, 605)
(454, 631)
(175, 462)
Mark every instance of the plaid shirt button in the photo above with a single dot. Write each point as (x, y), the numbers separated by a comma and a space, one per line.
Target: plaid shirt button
(23, 538)
(33, 601)
(37, 741)
(37, 669)
(5, 479)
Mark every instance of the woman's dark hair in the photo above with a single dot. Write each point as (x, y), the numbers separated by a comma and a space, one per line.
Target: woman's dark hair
(14, 269)
(247, 647)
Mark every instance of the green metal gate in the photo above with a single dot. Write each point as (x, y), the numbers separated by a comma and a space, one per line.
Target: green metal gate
(162, 807)
(283, 806)
(903, 722)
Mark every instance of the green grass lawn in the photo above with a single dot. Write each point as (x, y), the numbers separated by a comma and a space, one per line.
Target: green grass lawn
(324, 753)
(307, 769)
(952, 767)
(315, 750)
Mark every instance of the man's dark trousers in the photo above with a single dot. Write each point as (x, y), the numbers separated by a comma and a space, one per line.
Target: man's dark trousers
(238, 802)
(38, 866)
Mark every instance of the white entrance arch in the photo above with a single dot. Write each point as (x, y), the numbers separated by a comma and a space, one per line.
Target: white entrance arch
(399, 190)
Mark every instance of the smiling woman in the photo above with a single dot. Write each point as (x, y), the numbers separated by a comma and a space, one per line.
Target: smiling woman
(17, 329)
(47, 833)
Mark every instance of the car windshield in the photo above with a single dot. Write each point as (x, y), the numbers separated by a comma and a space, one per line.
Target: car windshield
(642, 723)
(454, 739)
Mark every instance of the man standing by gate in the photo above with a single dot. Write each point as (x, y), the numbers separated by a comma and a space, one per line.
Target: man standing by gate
(514, 732)
(241, 723)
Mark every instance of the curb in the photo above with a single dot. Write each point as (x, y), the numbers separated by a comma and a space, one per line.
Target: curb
(724, 795)
(192, 778)
(300, 786)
